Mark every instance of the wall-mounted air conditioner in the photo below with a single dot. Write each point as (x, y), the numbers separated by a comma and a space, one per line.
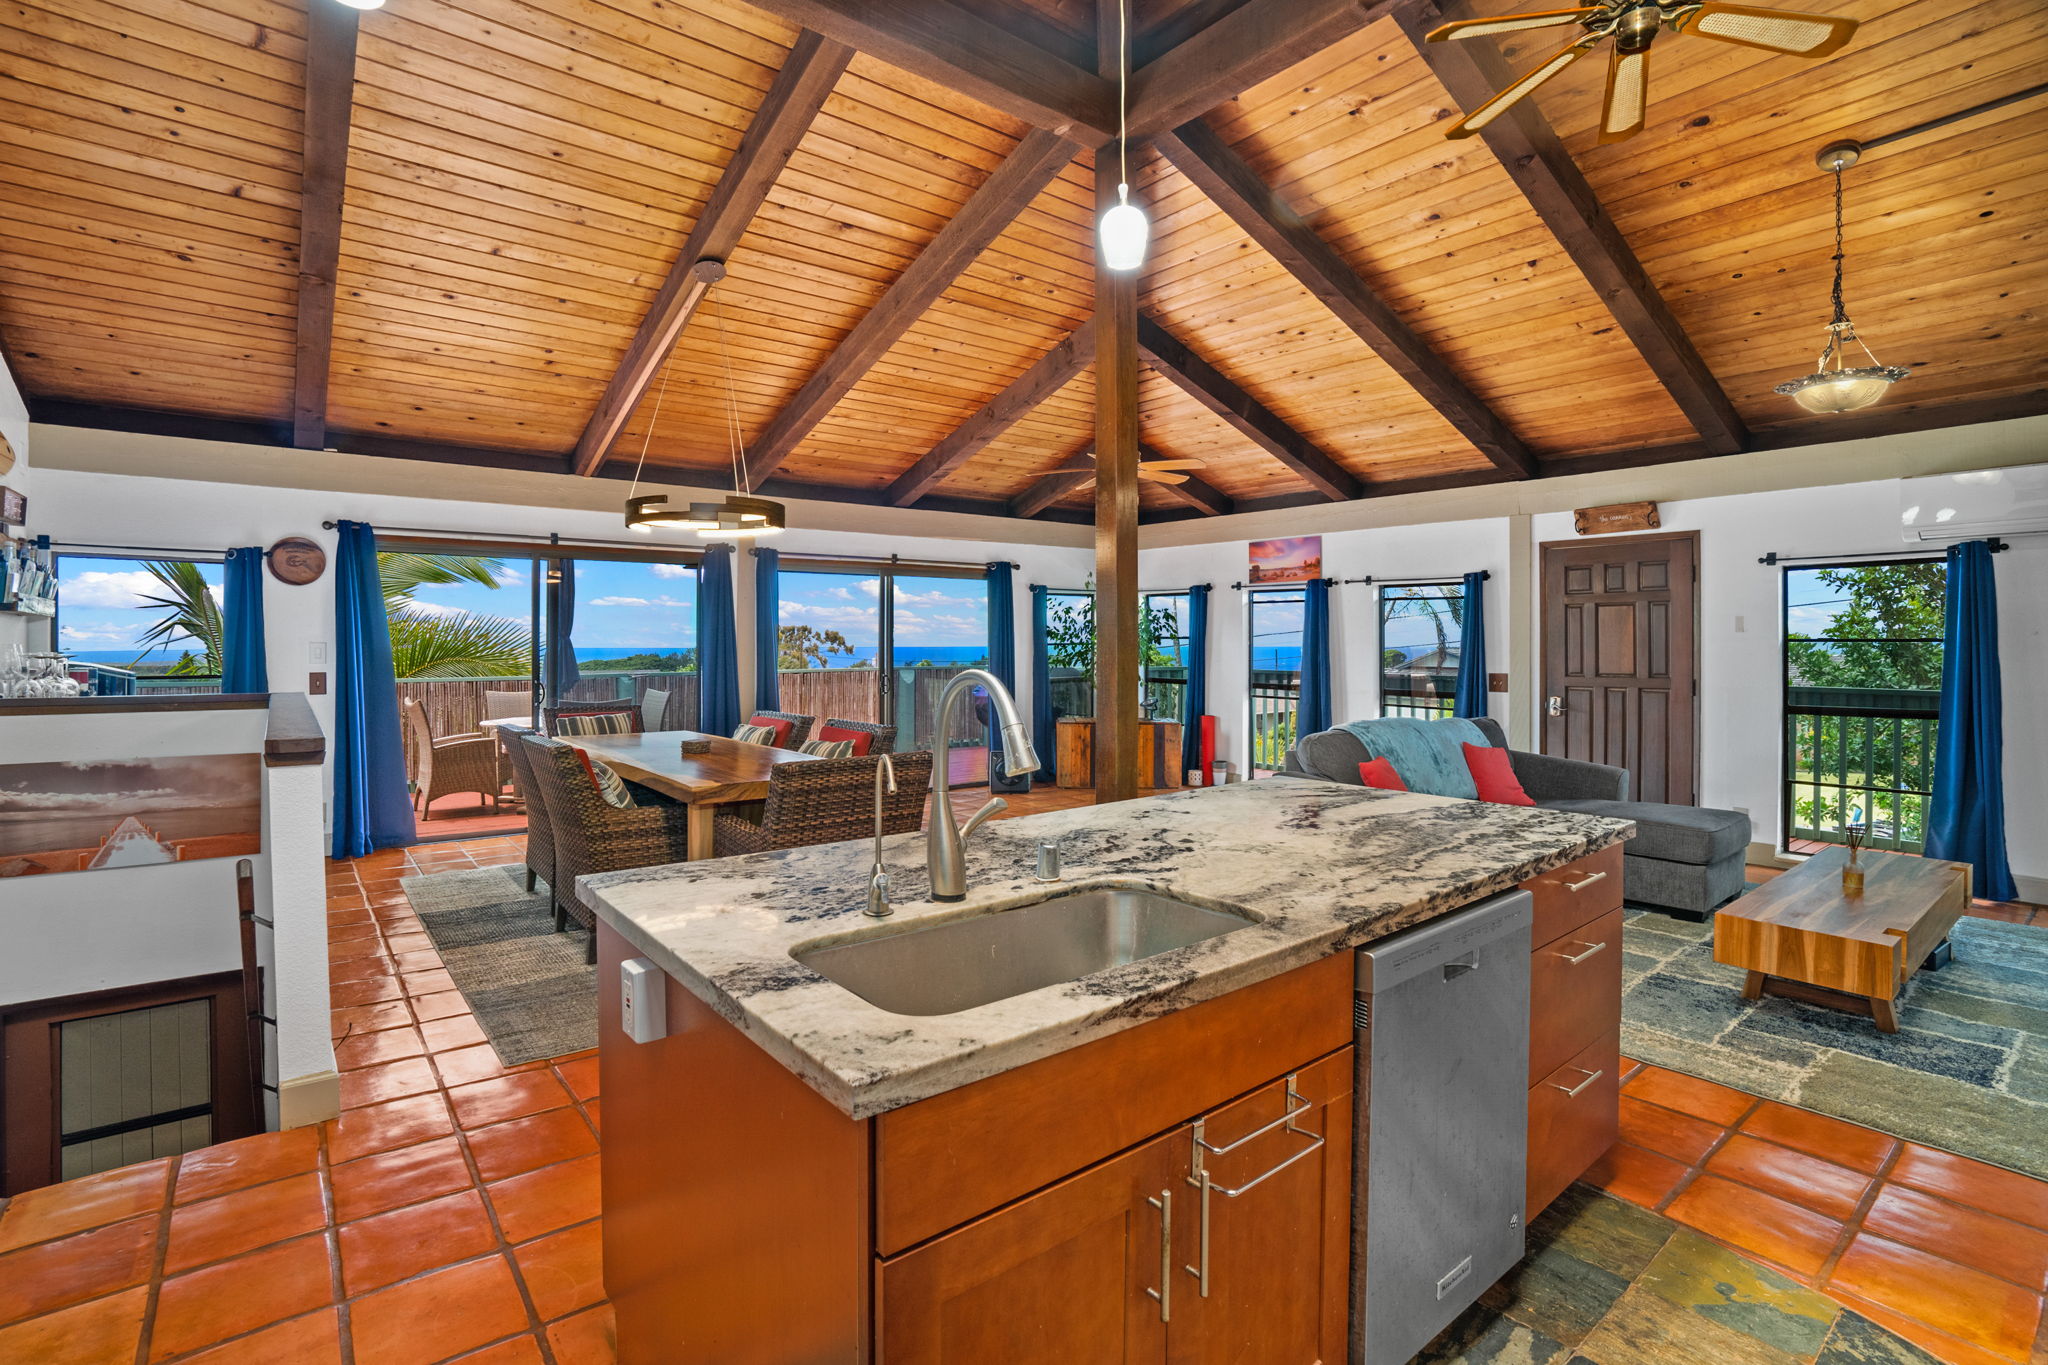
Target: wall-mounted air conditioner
(1982, 502)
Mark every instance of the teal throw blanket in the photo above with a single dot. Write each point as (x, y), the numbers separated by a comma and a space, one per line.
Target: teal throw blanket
(1427, 753)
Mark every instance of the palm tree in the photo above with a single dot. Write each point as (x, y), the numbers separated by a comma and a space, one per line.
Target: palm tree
(190, 611)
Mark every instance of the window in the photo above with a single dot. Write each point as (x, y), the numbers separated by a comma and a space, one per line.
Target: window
(1422, 635)
(1275, 633)
(142, 625)
(1863, 656)
(1070, 653)
(635, 632)
(1163, 655)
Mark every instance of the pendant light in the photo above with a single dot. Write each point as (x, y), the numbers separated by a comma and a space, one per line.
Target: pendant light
(1834, 386)
(645, 511)
(1124, 230)
(740, 514)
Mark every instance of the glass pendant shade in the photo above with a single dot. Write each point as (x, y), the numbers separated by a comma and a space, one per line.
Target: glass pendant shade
(1834, 386)
(1124, 233)
(364, 4)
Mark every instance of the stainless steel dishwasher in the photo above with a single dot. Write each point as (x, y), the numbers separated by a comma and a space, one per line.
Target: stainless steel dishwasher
(1442, 1017)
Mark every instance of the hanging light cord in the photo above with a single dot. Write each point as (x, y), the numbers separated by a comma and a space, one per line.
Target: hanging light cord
(734, 444)
(653, 420)
(1123, 101)
(1841, 312)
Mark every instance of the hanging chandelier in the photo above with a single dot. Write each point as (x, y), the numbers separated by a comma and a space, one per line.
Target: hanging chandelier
(1834, 386)
(738, 514)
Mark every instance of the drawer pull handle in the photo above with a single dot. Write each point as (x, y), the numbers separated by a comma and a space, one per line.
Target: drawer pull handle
(1571, 1091)
(1576, 958)
(1582, 883)
(1164, 1293)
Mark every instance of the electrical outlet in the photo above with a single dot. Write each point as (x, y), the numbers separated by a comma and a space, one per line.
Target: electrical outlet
(316, 684)
(1741, 626)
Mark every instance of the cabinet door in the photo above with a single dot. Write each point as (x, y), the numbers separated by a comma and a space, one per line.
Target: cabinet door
(1278, 1224)
(1574, 1113)
(1068, 1276)
(1574, 992)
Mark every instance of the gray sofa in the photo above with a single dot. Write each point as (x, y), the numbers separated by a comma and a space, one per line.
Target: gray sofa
(1685, 860)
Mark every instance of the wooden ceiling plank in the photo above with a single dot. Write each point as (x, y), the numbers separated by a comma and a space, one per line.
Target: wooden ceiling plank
(1203, 157)
(329, 105)
(1252, 43)
(1206, 385)
(799, 91)
(1045, 378)
(1039, 158)
(952, 46)
(1536, 160)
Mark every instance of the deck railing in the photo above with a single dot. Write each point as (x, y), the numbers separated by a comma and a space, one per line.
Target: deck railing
(1276, 706)
(1422, 708)
(1859, 756)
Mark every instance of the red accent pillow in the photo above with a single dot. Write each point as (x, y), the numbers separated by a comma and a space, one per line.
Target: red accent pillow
(1493, 772)
(780, 727)
(1381, 773)
(863, 740)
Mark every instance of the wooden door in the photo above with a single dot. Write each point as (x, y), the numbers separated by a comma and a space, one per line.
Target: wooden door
(1279, 1252)
(1067, 1276)
(1620, 666)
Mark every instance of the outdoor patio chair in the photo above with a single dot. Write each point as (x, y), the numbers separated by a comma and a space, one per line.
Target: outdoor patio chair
(448, 765)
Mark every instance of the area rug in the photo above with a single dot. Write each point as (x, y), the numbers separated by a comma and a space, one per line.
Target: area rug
(528, 986)
(1967, 1071)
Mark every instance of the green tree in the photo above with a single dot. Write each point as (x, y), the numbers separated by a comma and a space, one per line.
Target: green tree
(676, 661)
(808, 646)
(1881, 635)
(189, 611)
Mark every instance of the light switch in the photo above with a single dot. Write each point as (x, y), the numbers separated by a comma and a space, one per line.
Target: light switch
(316, 652)
(1741, 626)
(643, 1000)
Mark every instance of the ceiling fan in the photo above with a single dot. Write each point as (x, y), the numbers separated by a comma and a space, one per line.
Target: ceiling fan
(1634, 24)
(1151, 471)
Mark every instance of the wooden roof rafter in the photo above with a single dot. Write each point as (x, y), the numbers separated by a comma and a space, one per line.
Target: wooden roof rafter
(786, 113)
(1071, 473)
(329, 110)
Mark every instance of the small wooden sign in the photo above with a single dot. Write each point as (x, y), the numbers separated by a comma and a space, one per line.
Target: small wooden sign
(297, 561)
(13, 508)
(1619, 516)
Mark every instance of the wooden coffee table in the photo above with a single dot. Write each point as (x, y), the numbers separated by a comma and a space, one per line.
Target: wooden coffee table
(1798, 935)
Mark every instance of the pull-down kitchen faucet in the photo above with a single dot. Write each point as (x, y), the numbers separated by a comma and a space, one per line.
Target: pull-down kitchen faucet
(945, 854)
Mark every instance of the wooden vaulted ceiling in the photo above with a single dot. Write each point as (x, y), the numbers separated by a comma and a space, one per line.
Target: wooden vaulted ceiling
(506, 196)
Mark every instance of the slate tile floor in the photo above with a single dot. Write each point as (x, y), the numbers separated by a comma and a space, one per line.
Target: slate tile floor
(450, 1214)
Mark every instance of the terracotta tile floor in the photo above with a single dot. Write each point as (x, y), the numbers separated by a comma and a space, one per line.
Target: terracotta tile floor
(450, 1213)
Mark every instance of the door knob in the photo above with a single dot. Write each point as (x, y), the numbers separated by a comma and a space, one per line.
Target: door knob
(1556, 707)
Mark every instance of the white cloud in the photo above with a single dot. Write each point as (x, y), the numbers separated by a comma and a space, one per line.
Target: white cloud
(99, 635)
(938, 597)
(829, 615)
(618, 601)
(97, 588)
(672, 570)
(419, 608)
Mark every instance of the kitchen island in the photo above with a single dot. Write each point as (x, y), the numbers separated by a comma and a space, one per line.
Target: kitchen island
(793, 1173)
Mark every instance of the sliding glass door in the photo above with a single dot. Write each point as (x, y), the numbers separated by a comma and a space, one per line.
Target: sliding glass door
(634, 633)
(937, 628)
(830, 646)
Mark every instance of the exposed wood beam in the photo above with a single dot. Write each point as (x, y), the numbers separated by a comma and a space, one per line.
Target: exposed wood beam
(1062, 479)
(330, 105)
(953, 46)
(1039, 158)
(1201, 381)
(1048, 376)
(1199, 494)
(799, 90)
(1231, 184)
(1252, 43)
(1536, 160)
(1117, 656)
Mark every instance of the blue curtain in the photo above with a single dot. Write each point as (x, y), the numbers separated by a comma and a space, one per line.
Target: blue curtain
(1195, 697)
(242, 667)
(1315, 659)
(1966, 819)
(1002, 637)
(372, 808)
(561, 650)
(767, 630)
(718, 654)
(1471, 698)
(1041, 683)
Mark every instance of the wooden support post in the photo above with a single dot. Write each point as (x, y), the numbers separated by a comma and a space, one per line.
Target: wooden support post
(330, 104)
(1116, 482)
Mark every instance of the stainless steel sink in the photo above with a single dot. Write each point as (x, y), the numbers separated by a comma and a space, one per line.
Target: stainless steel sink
(957, 964)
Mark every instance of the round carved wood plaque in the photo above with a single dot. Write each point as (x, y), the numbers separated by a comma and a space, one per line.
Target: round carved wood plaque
(297, 560)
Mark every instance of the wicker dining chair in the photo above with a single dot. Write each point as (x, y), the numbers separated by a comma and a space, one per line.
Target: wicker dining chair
(592, 835)
(453, 763)
(885, 735)
(799, 726)
(540, 834)
(825, 802)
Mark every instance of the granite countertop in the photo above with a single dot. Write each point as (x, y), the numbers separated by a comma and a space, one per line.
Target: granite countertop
(1325, 867)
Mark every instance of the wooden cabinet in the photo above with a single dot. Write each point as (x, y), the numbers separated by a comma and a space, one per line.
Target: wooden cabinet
(1574, 1022)
(1224, 1240)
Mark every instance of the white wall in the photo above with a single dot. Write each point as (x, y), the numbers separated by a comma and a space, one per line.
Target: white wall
(17, 630)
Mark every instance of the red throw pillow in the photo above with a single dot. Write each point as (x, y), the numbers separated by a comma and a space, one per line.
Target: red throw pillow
(1493, 772)
(1381, 773)
(780, 727)
(862, 740)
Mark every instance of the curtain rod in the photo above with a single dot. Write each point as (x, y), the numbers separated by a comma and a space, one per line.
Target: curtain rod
(536, 539)
(207, 555)
(891, 561)
(1997, 547)
(1282, 587)
(1338, 582)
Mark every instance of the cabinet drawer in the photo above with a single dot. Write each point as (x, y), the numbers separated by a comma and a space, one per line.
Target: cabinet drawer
(945, 1160)
(1574, 1114)
(1574, 992)
(1566, 897)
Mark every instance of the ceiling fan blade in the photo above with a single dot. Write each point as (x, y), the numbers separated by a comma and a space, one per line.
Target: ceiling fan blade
(1172, 464)
(1506, 99)
(1774, 30)
(1151, 476)
(1512, 23)
(1628, 95)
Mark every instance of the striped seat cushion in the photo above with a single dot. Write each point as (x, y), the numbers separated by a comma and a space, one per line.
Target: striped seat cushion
(827, 748)
(596, 722)
(755, 734)
(609, 784)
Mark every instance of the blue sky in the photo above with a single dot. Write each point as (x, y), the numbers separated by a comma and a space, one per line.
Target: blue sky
(101, 606)
(1810, 603)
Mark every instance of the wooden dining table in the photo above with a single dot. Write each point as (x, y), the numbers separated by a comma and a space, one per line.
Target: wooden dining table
(733, 770)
